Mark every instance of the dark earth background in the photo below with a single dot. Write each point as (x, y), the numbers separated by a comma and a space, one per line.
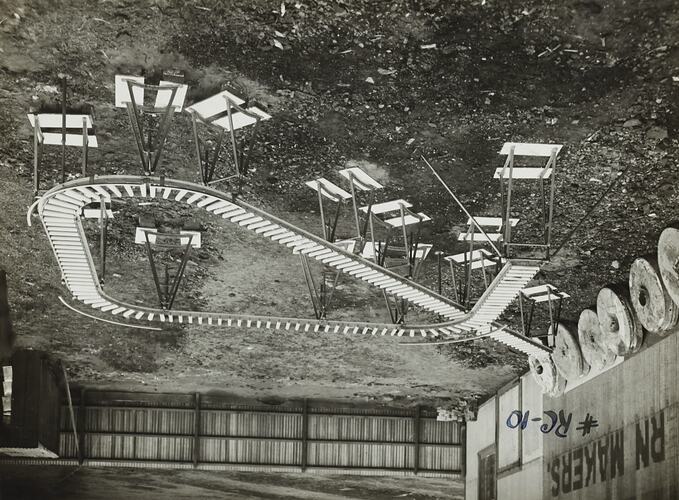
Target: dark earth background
(347, 83)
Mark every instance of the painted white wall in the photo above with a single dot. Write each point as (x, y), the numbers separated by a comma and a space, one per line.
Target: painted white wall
(508, 438)
(480, 435)
(525, 482)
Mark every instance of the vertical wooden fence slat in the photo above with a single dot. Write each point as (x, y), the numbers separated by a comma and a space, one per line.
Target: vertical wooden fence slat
(196, 430)
(305, 433)
(463, 449)
(305, 436)
(416, 457)
(82, 426)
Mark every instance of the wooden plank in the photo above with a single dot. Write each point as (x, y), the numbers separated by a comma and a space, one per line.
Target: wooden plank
(81, 426)
(305, 434)
(214, 105)
(122, 92)
(361, 179)
(530, 149)
(416, 448)
(387, 206)
(241, 120)
(328, 189)
(196, 430)
(53, 120)
(408, 219)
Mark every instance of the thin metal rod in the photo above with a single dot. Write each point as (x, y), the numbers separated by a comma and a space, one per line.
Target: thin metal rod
(450, 192)
(594, 207)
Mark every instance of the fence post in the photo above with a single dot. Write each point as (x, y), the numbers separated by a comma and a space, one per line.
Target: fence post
(416, 458)
(305, 433)
(196, 429)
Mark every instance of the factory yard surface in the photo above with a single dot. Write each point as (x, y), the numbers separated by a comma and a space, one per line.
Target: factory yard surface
(18, 483)
(348, 83)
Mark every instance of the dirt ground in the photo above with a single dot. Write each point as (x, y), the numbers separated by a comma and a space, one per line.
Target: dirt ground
(92, 483)
(347, 83)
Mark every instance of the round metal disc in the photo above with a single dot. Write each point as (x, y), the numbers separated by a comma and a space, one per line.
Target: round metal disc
(594, 349)
(546, 375)
(655, 309)
(620, 328)
(566, 354)
(668, 261)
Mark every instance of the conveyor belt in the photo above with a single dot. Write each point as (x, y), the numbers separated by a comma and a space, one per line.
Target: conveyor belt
(60, 210)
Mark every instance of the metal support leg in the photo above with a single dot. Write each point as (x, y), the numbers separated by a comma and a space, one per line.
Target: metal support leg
(63, 130)
(454, 284)
(389, 308)
(508, 226)
(340, 203)
(523, 320)
(320, 207)
(163, 129)
(318, 310)
(438, 267)
(36, 156)
(355, 206)
(180, 273)
(154, 271)
(199, 155)
(85, 148)
(530, 317)
(103, 228)
(551, 203)
(234, 144)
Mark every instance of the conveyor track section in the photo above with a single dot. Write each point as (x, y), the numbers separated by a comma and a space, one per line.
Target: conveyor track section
(60, 210)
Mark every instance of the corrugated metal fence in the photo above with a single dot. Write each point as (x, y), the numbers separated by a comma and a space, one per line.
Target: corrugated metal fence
(202, 431)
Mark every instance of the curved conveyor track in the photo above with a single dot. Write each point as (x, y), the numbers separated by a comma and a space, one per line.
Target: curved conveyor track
(60, 210)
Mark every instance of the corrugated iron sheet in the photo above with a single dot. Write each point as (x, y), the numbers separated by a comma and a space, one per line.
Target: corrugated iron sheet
(248, 436)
